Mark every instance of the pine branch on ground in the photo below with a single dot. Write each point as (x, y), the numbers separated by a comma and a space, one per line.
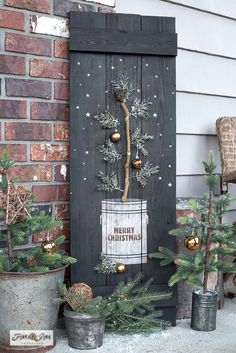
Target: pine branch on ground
(131, 308)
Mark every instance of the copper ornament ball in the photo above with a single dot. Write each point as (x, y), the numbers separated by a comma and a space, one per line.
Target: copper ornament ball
(192, 242)
(120, 267)
(115, 136)
(82, 289)
(137, 163)
(48, 247)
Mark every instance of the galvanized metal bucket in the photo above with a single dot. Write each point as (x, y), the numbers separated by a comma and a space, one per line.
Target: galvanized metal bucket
(84, 331)
(27, 302)
(124, 230)
(204, 309)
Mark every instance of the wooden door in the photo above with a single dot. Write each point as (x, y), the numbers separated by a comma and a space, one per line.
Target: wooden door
(104, 48)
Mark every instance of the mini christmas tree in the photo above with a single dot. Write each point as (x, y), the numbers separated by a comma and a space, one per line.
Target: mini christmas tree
(20, 223)
(206, 234)
(137, 109)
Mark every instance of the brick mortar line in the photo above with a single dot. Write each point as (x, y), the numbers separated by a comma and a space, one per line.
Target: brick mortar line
(36, 100)
(53, 164)
(33, 56)
(37, 78)
(37, 121)
(33, 34)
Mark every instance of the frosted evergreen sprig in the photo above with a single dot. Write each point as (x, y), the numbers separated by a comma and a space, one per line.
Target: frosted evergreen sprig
(139, 140)
(109, 152)
(105, 266)
(107, 120)
(123, 88)
(139, 109)
(109, 182)
(146, 172)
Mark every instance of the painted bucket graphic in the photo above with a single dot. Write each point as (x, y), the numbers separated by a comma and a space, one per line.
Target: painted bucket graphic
(124, 230)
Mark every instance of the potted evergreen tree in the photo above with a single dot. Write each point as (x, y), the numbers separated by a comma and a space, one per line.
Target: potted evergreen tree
(212, 240)
(28, 276)
(129, 309)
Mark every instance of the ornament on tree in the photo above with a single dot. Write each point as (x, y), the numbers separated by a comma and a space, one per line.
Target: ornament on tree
(137, 163)
(192, 242)
(115, 136)
(48, 247)
(120, 267)
(83, 290)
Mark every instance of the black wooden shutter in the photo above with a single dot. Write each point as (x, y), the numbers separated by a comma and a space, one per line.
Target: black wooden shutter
(103, 47)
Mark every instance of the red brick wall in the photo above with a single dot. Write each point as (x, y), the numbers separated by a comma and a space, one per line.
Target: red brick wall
(34, 105)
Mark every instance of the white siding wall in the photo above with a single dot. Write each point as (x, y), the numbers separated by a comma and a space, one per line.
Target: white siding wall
(205, 79)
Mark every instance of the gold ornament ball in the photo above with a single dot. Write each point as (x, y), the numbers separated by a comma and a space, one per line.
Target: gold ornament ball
(120, 268)
(82, 289)
(192, 242)
(137, 163)
(115, 136)
(48, 247)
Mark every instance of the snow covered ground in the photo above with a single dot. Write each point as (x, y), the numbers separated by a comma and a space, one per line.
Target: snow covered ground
(179, 339)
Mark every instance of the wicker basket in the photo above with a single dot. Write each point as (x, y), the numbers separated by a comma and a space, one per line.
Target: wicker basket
(226, 132)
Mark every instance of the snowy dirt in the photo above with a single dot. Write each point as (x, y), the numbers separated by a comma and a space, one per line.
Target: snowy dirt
(179, 339)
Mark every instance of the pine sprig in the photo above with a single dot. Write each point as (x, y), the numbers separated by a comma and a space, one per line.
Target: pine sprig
(109, 182)
(106, 266)
(107, 120)
(139, 140)
(123, 88)
(146, 172)
(139, 109)
(109, 152)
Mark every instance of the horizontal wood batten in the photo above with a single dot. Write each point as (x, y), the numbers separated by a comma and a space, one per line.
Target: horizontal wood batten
(104, 41)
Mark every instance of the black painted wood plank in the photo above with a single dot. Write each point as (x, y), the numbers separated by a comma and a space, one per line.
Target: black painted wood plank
(146, 43)
(87, 20)
(86, 97)
(130, 66)
(159, 83)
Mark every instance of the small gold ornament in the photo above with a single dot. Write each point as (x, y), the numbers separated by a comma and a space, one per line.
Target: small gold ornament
(120, 268)
(137, 163)
(192, 242)
(82, 289)
(115, 136)
(48, 247)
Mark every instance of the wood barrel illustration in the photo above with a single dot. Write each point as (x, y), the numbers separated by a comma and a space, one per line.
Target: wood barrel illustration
(124, 230)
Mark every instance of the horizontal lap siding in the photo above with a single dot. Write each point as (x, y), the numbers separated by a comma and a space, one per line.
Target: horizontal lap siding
(205, 80)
